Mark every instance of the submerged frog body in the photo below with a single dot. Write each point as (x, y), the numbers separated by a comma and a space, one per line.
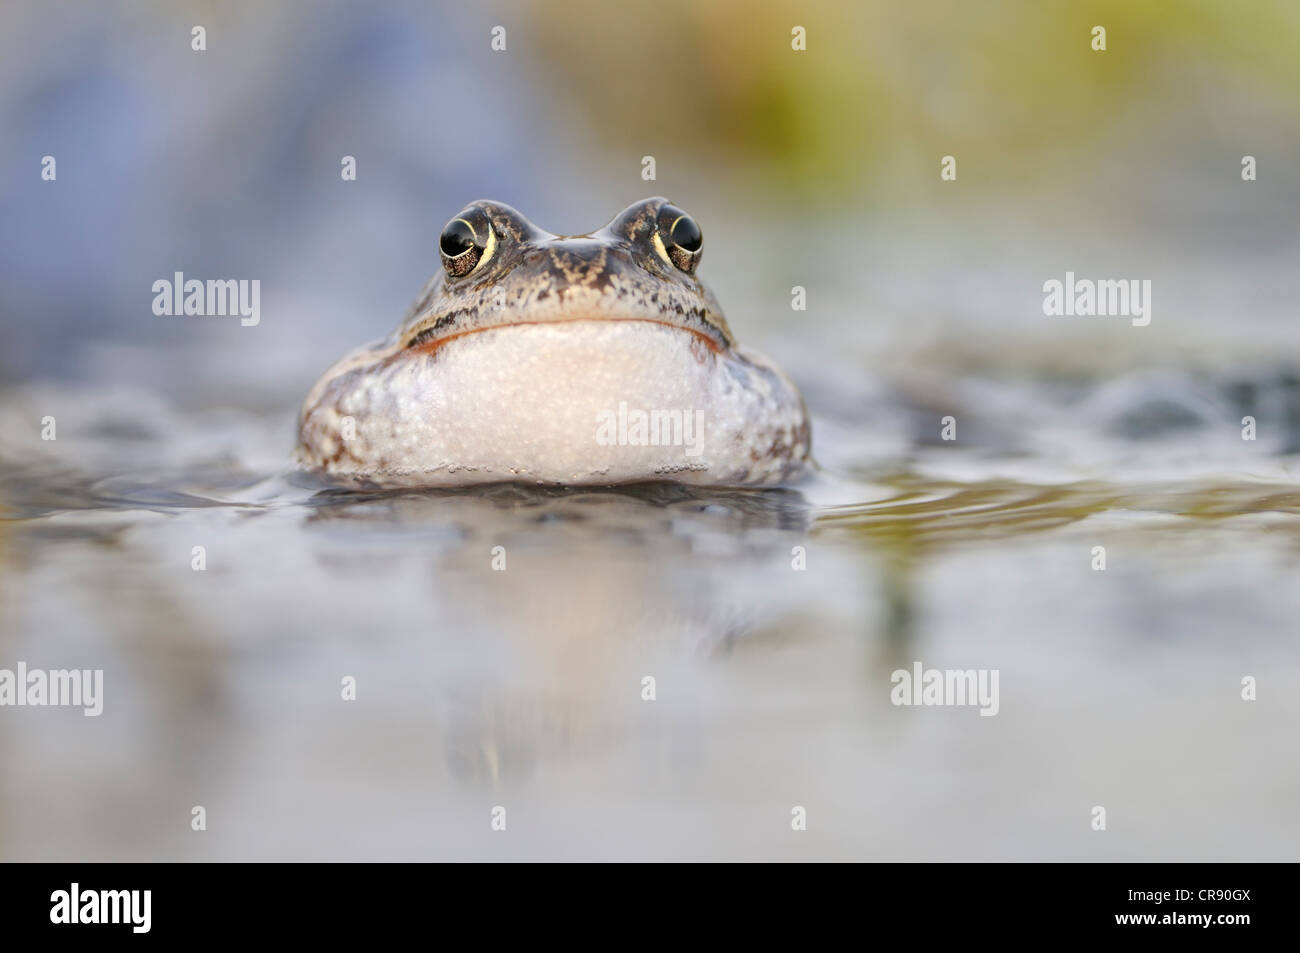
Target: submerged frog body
(592, 359)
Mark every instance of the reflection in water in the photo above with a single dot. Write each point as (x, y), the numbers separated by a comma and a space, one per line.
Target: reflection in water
(502, 637)
(589, 592)
(770, 621)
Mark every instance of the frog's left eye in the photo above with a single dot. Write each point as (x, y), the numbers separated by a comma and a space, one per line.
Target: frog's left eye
(465, 242)
(682, 240)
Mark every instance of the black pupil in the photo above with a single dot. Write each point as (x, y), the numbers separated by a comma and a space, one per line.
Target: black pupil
(686, 234)
(457, 238)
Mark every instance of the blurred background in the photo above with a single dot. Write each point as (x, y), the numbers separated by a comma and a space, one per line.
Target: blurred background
(817, 168)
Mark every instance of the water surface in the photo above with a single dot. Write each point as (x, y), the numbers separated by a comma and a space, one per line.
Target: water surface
(522, 688)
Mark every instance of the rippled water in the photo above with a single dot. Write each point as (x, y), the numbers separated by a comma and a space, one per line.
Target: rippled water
(522, 688)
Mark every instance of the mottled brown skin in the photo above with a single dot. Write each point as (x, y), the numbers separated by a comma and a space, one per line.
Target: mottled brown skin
(536, 268)
(623, 272)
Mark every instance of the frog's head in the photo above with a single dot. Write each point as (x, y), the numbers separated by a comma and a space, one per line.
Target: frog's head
(500, 270)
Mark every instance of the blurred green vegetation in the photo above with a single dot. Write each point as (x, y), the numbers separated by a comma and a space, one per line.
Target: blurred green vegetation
(885, 89)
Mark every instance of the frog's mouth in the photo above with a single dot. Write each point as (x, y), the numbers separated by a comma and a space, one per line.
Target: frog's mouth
(429, 341)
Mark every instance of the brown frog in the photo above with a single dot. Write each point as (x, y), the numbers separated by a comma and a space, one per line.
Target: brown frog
(573, 360)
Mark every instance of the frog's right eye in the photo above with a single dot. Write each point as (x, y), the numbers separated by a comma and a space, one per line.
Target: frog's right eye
(465, 243)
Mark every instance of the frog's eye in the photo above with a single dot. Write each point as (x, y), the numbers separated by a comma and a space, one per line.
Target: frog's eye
(682, 240)
(465, 242)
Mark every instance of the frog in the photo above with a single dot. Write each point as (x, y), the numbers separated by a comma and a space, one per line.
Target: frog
(565, 360)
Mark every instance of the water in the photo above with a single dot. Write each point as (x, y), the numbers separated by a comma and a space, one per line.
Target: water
(522, 687)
